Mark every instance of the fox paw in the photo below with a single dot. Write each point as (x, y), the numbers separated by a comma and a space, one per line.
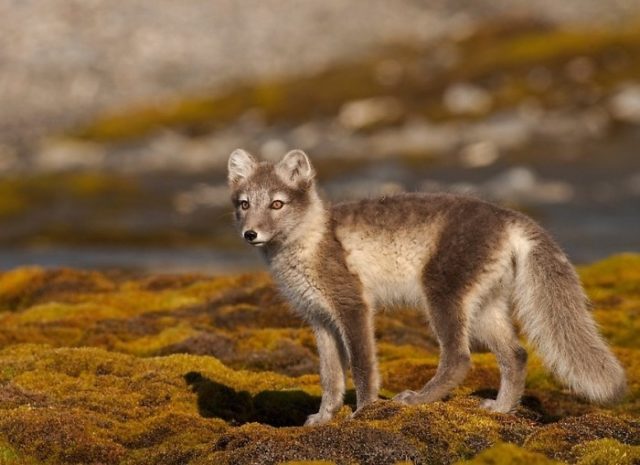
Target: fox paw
(493, 406)
(319, 418)
(407, 397)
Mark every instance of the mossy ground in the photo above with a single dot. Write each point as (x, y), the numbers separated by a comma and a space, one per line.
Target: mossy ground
(113, 369)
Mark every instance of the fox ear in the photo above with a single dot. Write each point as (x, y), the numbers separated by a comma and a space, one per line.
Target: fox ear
(295, 167)
(241, 165)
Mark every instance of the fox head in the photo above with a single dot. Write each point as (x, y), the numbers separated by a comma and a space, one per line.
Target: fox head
(272, 200)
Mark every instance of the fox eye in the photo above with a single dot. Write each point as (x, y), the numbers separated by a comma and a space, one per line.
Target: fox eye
(244, 204)
(277, 204)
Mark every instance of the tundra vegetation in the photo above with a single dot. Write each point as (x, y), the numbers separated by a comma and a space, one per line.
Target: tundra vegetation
(122, 368)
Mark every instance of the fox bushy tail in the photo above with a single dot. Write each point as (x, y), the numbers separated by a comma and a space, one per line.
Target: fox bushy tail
(552, 309)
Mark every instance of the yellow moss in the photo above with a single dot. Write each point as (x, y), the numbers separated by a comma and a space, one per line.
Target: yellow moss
(542, 46)
(137, 408)
(605, 452)
(55, 311)
(16, 283)
(616, 274)
(9, 456)
(150, 345)
(270, 339)
(538, 375)
(388, 352)
(11, 202)
(86, 185)
(214, 287)
(309, 462)
(508, 453)
(137, 301)
(557, 439)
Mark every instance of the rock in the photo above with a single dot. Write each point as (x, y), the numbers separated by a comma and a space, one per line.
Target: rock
(389, 72)
(465, 98)
(521, 185)
(479, 154)
(273, 149)
(633, 184)
(625, 104)
(580, 69)
(202, 196)
(68, 154)
(568, 126)
(540, 78)
(368, 112)
(506, 130)
(416, 136)
(8, 158)
(306, 136)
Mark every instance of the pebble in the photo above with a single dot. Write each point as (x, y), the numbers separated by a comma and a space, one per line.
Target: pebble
(506, 130)
(201, 196)
(467, 99)
(416, 136)
(68, 154)
(479, 154)
(521, 185)
(625, 104)
(359, 114)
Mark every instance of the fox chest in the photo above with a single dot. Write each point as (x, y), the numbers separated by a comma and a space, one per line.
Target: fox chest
(303, 289)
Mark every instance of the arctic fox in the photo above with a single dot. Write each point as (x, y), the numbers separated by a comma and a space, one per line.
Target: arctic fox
(469, 265)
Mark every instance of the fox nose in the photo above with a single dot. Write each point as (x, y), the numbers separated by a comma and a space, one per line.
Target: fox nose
(250, 235)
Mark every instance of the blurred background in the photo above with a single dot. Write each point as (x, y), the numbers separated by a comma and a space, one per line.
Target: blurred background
(117, 118)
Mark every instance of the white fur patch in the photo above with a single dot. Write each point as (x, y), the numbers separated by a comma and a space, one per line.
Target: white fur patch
(390, 264)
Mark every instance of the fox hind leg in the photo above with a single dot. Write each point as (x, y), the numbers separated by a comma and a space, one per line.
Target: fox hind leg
(493, 329)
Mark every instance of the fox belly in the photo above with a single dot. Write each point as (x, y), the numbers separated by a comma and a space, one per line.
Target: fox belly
(390, 265)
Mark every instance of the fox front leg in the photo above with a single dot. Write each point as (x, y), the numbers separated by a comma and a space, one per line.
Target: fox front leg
(333, 365)
(360, 342)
